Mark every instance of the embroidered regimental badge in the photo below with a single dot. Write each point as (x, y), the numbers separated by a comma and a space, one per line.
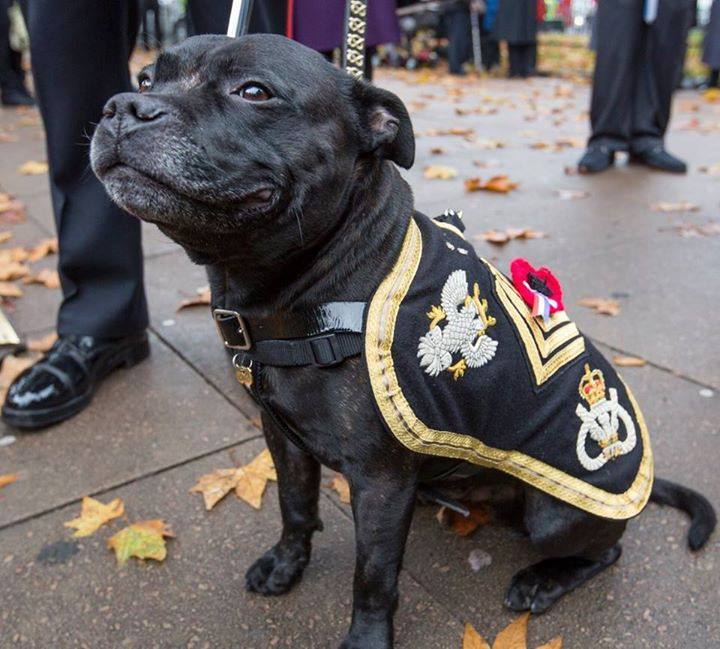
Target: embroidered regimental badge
(465, 330)
(602, 422)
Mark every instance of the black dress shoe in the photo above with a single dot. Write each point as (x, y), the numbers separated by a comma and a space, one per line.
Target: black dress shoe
(16, 97)
(63, 382)
(597, 158)
(658, 158)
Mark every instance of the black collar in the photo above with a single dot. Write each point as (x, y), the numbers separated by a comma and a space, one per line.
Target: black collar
(323, 335)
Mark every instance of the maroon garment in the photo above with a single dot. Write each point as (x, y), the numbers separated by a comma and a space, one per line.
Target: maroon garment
(320, 24)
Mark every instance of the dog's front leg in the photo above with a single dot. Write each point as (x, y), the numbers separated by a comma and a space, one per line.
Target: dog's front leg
(298, 476)
(382, 509)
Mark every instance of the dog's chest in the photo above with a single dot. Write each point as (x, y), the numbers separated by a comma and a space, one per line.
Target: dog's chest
(460, 368)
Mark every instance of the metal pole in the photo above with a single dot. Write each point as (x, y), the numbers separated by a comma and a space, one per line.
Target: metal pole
(240, 13)
(476, 44)
(353, 58)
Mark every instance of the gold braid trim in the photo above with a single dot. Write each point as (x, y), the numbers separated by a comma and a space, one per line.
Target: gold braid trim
(416, 436)
(354, 45)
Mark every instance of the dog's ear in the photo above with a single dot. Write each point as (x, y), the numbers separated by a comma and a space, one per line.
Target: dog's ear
(385, 126)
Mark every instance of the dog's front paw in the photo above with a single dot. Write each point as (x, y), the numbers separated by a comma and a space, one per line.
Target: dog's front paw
(369, 636)
(277, 571)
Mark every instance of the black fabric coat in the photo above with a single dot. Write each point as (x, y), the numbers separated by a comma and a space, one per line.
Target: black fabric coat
(517, 21)
(711, 51)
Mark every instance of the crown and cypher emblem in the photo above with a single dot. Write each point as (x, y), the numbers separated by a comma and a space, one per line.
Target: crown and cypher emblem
(592, 386)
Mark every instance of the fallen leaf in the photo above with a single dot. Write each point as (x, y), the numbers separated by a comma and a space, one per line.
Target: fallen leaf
(33, 168)
(13, 270)
(9, 255)
(711, 170)
(202, 298)
(500, 237)
(484, 164)
(8, 289)
(514, 635)
(555, 643)
(437, 150)
(571, 171)
(688, 230)
(489, 144)
(342, 487)
(711, 95)
(7, 479)
(93, 515)
(144, 540)
(47, 277)
(500, 183)
(629, 361)
(248, 481)
(5, 236)
(464, 132)
(42, 344)
(11, 210)
(571, 194)
(683, 206)
(472, 639)
(43, 249)
(480, 514)
(606, 306)
(439, 172)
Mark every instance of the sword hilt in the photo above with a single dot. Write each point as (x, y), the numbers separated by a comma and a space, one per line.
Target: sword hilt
(239, 22)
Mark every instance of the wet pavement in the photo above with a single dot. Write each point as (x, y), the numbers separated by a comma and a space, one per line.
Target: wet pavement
(151, 431)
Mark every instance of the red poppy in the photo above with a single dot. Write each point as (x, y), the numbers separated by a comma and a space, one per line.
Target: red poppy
(528, 281)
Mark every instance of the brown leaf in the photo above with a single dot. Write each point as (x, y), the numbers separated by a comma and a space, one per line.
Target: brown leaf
(688, 230)
(8, 289)
(42, 344)
(437, 150)
(33, 168)
(8, 478)
(43, 249)
(500, 237)
(683, 206)
(439, 172)
(5, 236)
(500, 183)
(46, 277)
(13, 270)
(9, 255)
(480, 514)
(202, 298)
(342, 487)
(11, 210)
(555, 643)
(489, 144)
(472, 639)
(606, 306)
(514, 635)
(629, 361)
(571, 194)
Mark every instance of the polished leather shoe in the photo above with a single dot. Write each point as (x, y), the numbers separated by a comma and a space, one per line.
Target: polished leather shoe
(658, 158)
(597, 158)
(16, 97)
(64, 381)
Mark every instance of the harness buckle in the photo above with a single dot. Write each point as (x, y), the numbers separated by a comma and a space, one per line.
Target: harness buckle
(231, 322)
(326, 350)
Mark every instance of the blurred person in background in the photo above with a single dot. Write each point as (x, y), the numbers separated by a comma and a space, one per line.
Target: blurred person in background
(640, 49)
(13, 91)
(517, 24)
(489, 44)
(80, 53)
(320, 24)
(711, 47)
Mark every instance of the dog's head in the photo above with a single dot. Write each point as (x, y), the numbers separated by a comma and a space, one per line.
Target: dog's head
(232, 140)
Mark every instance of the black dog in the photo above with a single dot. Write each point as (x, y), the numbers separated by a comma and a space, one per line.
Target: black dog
(275, 170)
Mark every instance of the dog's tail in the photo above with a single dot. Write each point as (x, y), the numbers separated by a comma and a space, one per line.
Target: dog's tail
(701, 512)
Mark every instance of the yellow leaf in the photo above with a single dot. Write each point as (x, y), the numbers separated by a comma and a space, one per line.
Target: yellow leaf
(555, 643)
(711, 95)
(42, 344)
(514, 635)
(606, 306)
(43, 249)
(439, 172)
(682, 206)
(202, 298)
(144, 540)
(13, 270)
(7, 479)
(341, 486)
(94, 514)
(33, 168)
(46, 277)
(216, 485)
(5, 236)
(629, 361)
(472, 639)
(8, 289)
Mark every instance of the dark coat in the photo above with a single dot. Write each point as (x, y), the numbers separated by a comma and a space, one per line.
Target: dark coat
(711, 52)
(320, 24)
(516, 21)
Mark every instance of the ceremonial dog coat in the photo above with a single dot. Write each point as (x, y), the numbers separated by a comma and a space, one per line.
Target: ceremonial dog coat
(461, 368)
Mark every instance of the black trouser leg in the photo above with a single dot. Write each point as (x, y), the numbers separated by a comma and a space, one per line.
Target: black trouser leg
(660, 72)
(11, 72)
(619, 28)
(79, 52)
(713, 78)
(459, 36)
(515, 59)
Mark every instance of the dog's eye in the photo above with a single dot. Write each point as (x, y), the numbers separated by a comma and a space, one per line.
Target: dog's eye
(253, 92)
(145, 84)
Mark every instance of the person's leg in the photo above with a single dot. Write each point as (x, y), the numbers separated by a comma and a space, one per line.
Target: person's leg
(100, 256)
(12, 76)
(713, 78)
(460, 43)
(662, 68)
(514, 60)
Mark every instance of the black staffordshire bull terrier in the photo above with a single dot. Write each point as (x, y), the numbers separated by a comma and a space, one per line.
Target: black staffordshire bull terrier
(277, 171)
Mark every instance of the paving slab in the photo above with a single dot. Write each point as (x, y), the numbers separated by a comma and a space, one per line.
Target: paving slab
(196, 598)
(658, 596)
(158, 414)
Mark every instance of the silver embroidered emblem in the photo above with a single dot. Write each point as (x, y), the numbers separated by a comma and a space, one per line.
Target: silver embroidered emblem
(465, 330)
(602, 422)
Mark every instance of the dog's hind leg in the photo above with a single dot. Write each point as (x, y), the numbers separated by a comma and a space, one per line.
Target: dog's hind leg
(577, 546)
(298, 476)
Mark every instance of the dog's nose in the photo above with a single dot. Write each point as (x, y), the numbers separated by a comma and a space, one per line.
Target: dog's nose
(135, 111)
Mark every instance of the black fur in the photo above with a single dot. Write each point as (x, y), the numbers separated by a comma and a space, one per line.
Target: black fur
(294, 201)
